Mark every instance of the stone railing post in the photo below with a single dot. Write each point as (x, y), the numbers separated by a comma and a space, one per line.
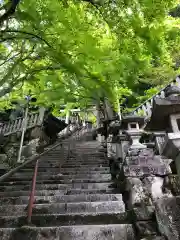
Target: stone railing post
(114, 150)
(41, 115)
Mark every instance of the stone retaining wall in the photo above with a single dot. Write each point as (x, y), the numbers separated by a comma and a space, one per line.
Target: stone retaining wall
(146, 172)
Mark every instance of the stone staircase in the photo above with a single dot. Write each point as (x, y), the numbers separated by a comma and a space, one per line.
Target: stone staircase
(74, 199)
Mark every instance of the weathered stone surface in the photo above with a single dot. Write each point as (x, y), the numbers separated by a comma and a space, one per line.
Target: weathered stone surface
(143, 213)
(154, 185)
(134, 152)
(111, 150)
(174, 184)
(30, 148)
(145, 228)
(135, 135)
(142, 158)
(3, 158)
(141, 152)
(168, 217)
(137, 194)
(144, 162)
(46, 220)
(61, 208)
(132, 160)
(11, 151)
(62, 198)
(87, 232)
(144, 170)
(160, 140)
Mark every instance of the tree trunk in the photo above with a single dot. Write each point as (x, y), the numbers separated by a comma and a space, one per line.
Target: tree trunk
(97, 114)
(108, 109)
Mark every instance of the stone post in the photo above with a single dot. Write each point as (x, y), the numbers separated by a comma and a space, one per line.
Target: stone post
(114, 152)
(113, 141)
(67, 117)
(41, 116)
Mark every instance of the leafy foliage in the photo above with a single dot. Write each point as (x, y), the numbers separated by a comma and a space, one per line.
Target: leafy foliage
(79, 52)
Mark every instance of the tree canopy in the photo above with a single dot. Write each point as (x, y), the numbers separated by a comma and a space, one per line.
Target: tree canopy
(79, 52)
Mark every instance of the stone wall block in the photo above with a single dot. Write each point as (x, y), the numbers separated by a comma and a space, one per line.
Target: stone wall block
(168, 217)
(30, 149)
(143, 213)
(134, 152)
(173, 184)
(154, 185)
(146, 228)
(144, 170)
(146, 152)
(132, 160)
(137, 193)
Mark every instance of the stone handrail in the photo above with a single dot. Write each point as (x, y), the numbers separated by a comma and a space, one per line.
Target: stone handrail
(145, 108)
(33, 119)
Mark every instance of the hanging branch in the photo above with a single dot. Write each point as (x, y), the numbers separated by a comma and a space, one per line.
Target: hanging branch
(10, 11)
(27, 36)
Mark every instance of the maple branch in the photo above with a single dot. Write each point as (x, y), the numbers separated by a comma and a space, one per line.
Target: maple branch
(10, 11)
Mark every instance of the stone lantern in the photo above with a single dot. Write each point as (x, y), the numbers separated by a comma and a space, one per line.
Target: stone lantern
(133, 127)
(166, 117)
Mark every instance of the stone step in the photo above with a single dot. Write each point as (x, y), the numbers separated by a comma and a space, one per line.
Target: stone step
(84, 165)
(48, 220)
(84, 180)
(84, 232)
(64, 169)
(78, 164)
(71, 160)
(87, 156)
(56, 163)
(92, 191)
(55, 192)
(53, 186)
(16, 193)
(39, 186)
(64, 173)
(80, 158)
(62, 198)
(45, 176)
(86, 162)
(144, 170)
(64, 208)
(55, 181)
(96, 177)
